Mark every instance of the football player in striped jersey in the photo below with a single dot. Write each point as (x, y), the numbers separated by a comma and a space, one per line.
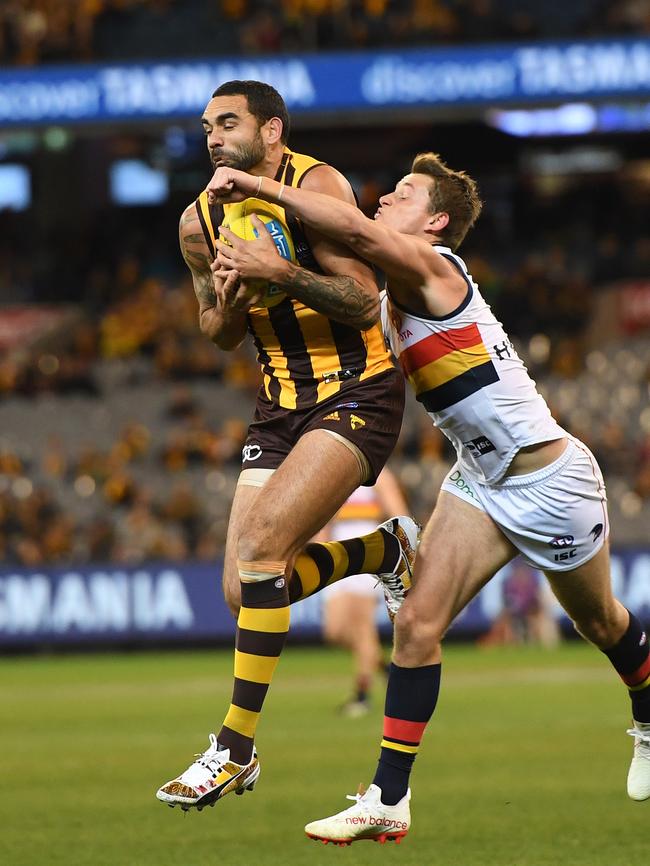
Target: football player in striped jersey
(328, 414)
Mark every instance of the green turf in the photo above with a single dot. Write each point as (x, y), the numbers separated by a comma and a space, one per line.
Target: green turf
(524, 764)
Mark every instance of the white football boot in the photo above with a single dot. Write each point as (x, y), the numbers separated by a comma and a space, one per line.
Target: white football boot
(369, 818)
(397, 583)
(210, 777)
(638, 779)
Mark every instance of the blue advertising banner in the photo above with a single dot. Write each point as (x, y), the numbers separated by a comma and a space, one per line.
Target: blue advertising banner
(181, 603)
(433, 77)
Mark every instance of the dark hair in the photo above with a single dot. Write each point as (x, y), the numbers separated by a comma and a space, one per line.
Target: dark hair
(453, 192)
(264, 101)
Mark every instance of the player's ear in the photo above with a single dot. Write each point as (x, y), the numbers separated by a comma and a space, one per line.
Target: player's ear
(437, 222)
(273, 130)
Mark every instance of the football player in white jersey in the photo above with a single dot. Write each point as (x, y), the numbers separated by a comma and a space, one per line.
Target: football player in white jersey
(521, 483)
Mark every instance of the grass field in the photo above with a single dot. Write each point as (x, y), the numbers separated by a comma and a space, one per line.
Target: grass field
(524, 764)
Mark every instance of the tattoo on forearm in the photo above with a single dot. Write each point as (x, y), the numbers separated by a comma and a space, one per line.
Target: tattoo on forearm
(204, 290)
(340, 298)
(199, 261)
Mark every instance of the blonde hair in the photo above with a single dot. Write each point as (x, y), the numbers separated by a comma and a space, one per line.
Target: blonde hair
(454, 193)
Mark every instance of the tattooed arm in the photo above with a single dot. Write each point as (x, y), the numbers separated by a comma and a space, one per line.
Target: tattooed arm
(219, 319)
(339, 297)
(346, 292)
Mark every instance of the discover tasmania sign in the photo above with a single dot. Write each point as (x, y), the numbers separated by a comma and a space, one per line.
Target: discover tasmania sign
(341, 83)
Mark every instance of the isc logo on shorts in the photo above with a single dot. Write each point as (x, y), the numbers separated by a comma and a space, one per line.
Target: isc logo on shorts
(563, 541)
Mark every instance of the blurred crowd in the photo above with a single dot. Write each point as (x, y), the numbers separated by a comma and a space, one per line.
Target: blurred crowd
(160, 487)
(157, 482)
(138, 456)
(47, 31)
(127, 523)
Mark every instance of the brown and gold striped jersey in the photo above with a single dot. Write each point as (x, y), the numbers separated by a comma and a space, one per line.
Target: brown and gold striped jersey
(302, 352)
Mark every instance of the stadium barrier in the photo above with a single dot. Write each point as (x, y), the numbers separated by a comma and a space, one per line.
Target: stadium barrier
(183, 603)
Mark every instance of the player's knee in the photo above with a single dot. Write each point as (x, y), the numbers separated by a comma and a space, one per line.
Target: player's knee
(603, 631)
(261, 542)
(415, 633)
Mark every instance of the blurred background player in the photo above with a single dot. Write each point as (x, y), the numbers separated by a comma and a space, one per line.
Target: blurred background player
(528, 614)
(350, 605)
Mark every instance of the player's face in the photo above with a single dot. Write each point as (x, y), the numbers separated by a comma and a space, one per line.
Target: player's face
(408, 208)
(232, 133)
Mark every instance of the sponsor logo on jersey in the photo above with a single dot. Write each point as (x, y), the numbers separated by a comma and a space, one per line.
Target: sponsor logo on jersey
(479, 446)
(250, 453)
(504, 350)
(356, 422)
(644, 639)
(333, 416)
(562, 541)
(347, 406)
(279, 583)
(596, 532)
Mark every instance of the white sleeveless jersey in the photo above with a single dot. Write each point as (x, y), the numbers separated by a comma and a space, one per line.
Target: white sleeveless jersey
(465, 372)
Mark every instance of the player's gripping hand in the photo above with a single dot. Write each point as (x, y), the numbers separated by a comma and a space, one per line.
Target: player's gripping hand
(231, 185)
(233, 293)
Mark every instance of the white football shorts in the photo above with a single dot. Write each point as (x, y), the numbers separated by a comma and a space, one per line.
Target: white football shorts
(556, 517)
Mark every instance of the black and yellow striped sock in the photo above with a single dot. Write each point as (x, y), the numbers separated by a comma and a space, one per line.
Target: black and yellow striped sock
(322, 564)
(262, 628)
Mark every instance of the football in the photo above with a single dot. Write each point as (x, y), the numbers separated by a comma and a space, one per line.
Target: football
(238, 220)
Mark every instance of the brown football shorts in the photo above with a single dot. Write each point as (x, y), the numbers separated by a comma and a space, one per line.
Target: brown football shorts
(367, 414)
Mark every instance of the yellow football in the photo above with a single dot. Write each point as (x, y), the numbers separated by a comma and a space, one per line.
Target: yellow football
(238, 220)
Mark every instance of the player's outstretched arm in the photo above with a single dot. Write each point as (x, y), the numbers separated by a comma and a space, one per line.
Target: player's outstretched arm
(346, 292)
(218, 320)
(409, 259)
